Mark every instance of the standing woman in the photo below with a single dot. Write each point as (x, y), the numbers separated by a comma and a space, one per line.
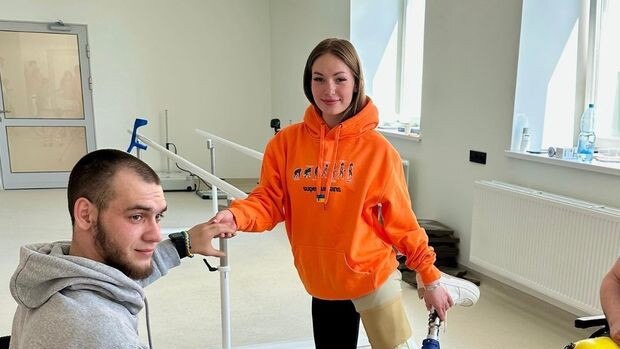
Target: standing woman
(339, 186)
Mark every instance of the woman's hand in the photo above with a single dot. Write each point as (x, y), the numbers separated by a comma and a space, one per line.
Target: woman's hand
(224, 217)
(437, 297)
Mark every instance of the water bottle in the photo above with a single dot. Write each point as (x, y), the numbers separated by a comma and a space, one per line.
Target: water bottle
(525, 140)
(587, 138)
(519, 123)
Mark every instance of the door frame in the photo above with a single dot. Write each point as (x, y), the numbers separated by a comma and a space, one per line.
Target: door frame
(54, 179)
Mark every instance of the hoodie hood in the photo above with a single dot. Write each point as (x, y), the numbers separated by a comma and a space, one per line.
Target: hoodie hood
(366, 120)
(47, 269)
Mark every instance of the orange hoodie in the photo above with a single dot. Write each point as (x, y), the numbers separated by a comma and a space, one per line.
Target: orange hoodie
(329, 185)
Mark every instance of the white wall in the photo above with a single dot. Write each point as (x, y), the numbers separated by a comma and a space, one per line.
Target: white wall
(206, 61)
(296, 27)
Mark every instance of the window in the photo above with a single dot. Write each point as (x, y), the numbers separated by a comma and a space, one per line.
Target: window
(607, 83)
(389, 37)
(565, 64)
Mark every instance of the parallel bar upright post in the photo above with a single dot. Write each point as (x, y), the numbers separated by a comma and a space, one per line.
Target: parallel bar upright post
(224, 268)
(232, 192)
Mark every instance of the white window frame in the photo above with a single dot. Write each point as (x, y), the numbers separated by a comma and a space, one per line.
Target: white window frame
(593, 66)
(390, 45)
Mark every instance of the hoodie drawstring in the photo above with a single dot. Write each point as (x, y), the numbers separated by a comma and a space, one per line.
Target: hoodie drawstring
(319, 172)
(321, 196)
(148, 323)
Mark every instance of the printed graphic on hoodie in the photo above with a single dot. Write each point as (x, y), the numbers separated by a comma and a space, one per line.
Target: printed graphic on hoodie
(342, 171)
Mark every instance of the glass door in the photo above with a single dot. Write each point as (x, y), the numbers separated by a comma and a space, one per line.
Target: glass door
(46, 113)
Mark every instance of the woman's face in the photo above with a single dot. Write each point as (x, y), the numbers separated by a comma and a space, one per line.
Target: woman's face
(332, 87)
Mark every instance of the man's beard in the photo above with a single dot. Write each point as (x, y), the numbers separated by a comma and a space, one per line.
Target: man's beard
(113, 255)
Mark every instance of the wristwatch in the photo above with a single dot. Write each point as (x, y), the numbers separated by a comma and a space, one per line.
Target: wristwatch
(178, 240)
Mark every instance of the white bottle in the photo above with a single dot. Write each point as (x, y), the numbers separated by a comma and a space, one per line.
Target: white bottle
(520, 121)
(525, 139)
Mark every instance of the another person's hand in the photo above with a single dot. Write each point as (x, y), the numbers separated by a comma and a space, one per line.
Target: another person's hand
(437, 298)
(610, 300)
(202, 235)
(224, 217)
(614, 332)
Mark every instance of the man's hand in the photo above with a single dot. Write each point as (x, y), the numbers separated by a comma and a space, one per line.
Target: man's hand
(610, 300)
(224, 217)
(438, 299)
(614, 332)
(202, 235)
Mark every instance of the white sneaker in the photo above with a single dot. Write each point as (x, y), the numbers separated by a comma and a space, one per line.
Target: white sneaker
(462, 292)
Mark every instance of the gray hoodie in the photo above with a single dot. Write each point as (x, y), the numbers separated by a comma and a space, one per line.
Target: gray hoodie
(73, 302)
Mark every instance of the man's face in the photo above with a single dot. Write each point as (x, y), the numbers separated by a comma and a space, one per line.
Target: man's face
(127, 230)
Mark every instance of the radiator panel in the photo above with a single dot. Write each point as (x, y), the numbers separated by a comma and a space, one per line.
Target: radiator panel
(555, 246)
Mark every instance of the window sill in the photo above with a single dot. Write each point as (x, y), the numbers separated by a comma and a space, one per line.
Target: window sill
(611, 168)
(416, 137)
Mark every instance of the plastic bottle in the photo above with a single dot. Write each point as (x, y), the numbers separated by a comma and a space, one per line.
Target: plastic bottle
(587, 138)
(520, 122)
(525, 139)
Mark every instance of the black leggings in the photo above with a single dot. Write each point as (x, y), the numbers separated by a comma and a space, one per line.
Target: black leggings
(335, 324)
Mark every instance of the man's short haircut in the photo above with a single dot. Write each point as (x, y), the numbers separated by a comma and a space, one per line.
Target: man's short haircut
(92, 176)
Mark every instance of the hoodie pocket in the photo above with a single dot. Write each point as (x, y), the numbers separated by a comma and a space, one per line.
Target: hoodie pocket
(326, 274)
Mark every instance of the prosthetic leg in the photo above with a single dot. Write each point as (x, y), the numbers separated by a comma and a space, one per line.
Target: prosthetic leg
(386, 325)
(432, 339)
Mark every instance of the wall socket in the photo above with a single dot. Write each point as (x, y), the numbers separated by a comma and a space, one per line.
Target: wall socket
(477, 157)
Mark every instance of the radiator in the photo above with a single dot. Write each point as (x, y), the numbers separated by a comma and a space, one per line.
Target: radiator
(553, 247)
(406, 170)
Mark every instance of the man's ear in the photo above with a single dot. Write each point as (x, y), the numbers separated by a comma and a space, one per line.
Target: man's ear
(85, 213)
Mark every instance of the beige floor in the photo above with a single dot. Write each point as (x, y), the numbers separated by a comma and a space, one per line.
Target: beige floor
(268, 303)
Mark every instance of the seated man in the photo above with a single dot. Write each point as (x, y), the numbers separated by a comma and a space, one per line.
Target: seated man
(610, 300)
(87, 292)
